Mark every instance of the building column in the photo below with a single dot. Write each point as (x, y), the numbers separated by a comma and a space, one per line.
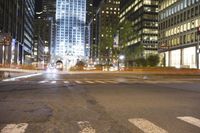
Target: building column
(181, 58)
(169, 58)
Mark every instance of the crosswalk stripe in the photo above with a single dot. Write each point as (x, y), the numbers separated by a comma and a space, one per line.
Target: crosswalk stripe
(86, 127)
(191, 120)
(100, 82)
(41, 82)
(15, 128)
(89, 82)
(78, 82)
(146, 126)
(53, 82)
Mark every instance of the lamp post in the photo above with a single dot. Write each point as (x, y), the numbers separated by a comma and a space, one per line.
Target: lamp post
(121, 58)
(198, 48)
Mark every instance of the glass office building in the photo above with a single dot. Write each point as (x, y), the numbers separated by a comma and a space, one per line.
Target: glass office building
(178, 36)
(70, 31)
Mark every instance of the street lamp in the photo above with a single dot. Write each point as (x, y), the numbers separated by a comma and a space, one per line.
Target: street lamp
(198, 48)
(121, 58)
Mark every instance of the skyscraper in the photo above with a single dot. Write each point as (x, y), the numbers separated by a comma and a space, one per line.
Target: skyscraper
(70, 31)
(143, 14)
(28, 30)
(45, 25)
(16, 20)
(178, 34)
(105, 22)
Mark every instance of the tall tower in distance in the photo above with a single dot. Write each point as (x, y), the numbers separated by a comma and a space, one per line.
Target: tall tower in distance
(70, 31)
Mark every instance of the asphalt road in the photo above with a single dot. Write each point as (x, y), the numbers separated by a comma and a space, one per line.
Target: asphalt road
(100, 103)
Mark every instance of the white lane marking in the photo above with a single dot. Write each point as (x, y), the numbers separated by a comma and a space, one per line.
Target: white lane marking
(66, 82)
(100, 82)
(89, 82)
(41, 82)
(53, 82)
(86, 127)
(146, 126)
(78, 82)
(15, 128)
(191, 120)
(20, 77)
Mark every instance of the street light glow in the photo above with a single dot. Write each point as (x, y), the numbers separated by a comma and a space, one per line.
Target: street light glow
(121, 57)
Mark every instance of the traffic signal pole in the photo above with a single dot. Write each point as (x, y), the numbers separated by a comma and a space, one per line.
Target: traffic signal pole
(198, 47)
(198, 51)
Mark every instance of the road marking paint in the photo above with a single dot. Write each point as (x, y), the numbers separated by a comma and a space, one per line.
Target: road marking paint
(191, 120)
(85, 127)
(53, 82)
(146, 126)
(89, 82)
(66, 82)
(20, 77)
(100, 82)
(41, 82)
(15, 128)
(78, 82)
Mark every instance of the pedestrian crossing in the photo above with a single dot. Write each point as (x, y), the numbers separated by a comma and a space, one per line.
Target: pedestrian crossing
(142, 124)
(80, 82)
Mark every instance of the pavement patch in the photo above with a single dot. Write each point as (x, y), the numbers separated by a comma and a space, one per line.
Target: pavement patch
(15, 128)
(86, 127)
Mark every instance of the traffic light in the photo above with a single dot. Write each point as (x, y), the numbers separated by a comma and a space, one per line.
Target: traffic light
(7, 40)
(198, 30)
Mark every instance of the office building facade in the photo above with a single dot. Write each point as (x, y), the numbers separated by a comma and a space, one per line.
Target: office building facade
(106, 19)
(89, 27)
(70, 31)
(45, 26)
(143, 14)
(29, 13)
(17, 23)
(179, 39)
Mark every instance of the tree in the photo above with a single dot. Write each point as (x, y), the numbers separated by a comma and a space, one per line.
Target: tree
(153, 60)
(80, 65)
(106, 43)
(126, 30)
(126, 34)
(141, 62)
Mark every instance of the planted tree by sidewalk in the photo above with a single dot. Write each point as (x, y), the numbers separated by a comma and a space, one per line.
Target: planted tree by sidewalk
(106, 44)
(153, 60)
(131, 53)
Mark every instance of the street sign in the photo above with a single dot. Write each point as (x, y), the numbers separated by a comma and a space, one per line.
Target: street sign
(5, 39)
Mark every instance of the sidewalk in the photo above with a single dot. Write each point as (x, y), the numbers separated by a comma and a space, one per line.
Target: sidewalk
(11, 73)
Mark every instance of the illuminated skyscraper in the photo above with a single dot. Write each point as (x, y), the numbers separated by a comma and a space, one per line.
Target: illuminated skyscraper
(70, 31)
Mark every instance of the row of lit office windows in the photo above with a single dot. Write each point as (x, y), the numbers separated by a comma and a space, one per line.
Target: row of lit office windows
(183, 27)
(137, 4)
(183, 39)
(178, 7)
(181, 17)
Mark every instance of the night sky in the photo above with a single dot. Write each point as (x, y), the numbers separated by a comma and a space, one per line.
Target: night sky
(38, 5)
(96, 2)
